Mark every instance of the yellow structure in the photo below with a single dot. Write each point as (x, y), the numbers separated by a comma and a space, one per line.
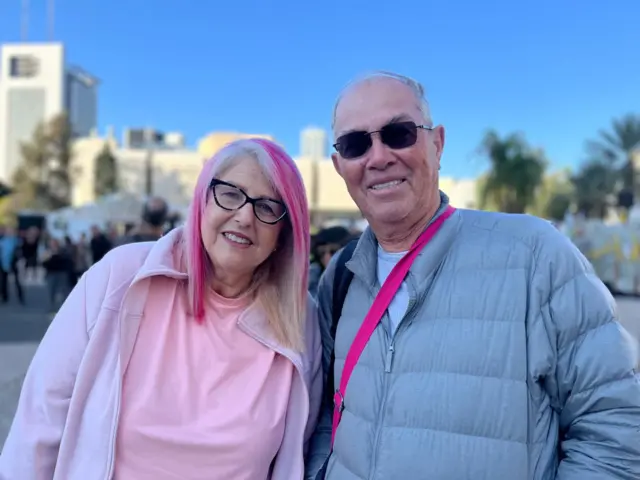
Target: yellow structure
(209, 145)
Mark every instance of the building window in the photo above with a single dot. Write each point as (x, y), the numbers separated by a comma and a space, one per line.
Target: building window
(23, 66)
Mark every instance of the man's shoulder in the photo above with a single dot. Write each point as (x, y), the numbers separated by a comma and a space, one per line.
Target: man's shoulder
(520, 225)
(554, 254)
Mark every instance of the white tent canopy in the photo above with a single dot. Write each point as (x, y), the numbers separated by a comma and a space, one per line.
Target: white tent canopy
(114, 208)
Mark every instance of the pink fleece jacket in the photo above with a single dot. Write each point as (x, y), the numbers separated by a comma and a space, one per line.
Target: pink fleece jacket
(67, 418)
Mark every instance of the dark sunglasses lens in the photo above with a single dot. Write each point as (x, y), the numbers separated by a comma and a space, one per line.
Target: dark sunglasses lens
(353, 145)
(399, 135)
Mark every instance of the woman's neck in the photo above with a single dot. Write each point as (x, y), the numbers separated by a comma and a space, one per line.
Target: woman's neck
(232, 286)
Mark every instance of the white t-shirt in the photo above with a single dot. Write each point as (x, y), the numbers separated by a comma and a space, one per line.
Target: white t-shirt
(400, 302)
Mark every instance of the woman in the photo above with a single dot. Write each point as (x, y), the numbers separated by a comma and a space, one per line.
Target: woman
(193, 357)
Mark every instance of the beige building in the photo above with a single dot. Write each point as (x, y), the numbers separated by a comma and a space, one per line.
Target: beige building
(176, 169)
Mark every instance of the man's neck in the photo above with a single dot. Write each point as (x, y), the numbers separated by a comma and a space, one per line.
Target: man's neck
(399, 237)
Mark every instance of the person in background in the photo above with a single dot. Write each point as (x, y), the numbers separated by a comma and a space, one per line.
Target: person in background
(30, 253)
(71, 250)
(199, 352)
(498, 355)
(10, 248)
(82, 259)
(323, 246)
(57, 263)
(155, 214)
(99, 244)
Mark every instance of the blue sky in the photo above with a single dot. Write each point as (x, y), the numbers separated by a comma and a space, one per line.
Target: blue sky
(556, 70)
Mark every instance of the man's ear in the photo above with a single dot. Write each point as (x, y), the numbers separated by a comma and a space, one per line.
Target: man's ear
(336, 163)
(438, 140)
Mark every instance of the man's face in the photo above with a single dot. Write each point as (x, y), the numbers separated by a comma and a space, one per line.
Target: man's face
(410, 174)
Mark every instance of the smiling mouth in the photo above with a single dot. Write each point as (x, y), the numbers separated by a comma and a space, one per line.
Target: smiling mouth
(385, 185)
(237, 238)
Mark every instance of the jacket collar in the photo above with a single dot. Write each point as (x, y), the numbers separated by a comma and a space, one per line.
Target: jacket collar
(364, 261)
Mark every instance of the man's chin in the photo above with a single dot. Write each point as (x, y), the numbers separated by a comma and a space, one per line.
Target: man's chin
(388, 214)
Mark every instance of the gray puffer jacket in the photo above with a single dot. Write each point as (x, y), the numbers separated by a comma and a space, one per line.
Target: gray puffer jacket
(509, 364)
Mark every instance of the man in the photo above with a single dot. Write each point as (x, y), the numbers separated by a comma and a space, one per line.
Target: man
(99, 244)
(499, 357)
(154, 217)
(10, 249)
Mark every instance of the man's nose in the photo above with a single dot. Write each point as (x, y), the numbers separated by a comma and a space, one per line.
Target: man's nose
(380, 157)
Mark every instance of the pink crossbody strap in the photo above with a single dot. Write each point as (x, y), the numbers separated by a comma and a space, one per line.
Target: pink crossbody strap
(380, 305)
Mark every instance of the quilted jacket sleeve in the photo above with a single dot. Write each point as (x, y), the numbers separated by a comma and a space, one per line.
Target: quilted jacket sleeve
(316, 375)
(595, 386)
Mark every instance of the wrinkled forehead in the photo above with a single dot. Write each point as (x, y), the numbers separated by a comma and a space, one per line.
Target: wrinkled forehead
(373, 103)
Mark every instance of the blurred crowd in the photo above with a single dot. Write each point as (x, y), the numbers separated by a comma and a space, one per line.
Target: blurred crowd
(34, 255)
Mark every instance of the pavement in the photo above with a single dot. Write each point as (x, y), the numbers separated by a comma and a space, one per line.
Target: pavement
(22, 327)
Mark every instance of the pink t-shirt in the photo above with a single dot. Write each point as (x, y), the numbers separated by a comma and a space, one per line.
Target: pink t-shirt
(200, 401)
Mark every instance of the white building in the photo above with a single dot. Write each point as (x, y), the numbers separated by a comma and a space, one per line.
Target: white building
(313, 143)
(176, 168)
(35, 86)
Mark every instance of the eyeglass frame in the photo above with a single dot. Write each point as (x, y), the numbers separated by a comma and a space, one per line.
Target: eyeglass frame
(247, 199)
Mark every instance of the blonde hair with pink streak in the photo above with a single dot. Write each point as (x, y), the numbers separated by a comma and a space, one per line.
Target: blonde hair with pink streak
(280, 283)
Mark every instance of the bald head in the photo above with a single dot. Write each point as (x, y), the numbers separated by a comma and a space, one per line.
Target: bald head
(394, 81)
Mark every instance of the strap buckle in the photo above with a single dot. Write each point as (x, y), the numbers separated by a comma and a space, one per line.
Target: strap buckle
(338, 401)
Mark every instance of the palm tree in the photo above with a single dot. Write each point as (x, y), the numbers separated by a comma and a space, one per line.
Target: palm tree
(593, 186)
(617, 148)
(515, 174)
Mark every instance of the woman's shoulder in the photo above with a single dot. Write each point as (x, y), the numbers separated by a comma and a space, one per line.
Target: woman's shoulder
(126, 259)
(118, 267)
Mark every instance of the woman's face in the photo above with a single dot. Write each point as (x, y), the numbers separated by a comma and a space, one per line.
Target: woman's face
(235, 240)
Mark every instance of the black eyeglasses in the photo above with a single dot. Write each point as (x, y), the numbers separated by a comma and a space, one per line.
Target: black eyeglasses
(230, 197)
(395, 135)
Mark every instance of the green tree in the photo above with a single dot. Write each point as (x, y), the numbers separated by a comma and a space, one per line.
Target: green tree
(105, 177)
(616, 148)
(594, 185)
(554, 196)
(558, 206)
(515, 173)
(44, 180)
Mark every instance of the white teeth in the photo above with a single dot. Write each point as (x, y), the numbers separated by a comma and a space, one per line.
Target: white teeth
(380, 186)
(236, 238)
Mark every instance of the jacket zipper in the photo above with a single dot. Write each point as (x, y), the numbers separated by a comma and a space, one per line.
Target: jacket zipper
(116, 418)
(388, 364)
(116, 414)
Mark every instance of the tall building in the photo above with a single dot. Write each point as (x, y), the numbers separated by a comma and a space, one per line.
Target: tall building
(36, 85)
(313, 143)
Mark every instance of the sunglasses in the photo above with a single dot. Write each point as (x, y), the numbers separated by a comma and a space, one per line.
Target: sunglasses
(230, 197)
(396, 135)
